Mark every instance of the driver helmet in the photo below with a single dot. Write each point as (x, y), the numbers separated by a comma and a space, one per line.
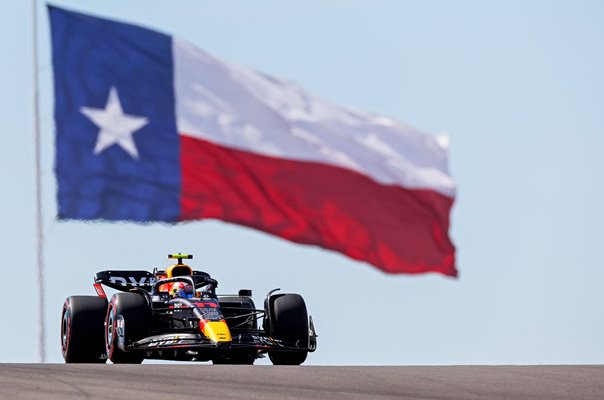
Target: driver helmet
(181, 290)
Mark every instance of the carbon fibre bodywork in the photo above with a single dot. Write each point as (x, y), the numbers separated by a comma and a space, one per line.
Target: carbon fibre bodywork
(220, 328)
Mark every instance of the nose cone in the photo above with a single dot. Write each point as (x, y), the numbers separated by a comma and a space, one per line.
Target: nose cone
(217, 331)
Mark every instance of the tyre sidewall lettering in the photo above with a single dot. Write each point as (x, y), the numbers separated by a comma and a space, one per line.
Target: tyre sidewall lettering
(110, 346)
(66, 315)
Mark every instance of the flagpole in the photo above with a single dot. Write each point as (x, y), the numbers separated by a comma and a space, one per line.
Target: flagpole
(39, 271)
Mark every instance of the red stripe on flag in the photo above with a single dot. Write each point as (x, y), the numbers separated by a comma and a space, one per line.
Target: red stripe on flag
(397, 230)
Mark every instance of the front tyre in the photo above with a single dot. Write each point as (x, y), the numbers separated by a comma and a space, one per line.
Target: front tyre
(136, 315)
(289, 322)
(82, 321)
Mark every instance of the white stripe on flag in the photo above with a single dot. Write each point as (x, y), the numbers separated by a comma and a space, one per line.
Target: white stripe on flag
(239, 108)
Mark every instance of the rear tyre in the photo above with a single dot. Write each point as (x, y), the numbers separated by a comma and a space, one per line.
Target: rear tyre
(289, 322)
(82, 321)
(135, 310)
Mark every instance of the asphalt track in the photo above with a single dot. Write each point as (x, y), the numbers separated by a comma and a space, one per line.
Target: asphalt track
(178, 381)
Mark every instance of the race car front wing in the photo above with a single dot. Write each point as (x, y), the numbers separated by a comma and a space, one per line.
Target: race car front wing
(244, 340)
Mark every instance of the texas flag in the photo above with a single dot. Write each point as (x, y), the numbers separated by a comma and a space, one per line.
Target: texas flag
(151, 128)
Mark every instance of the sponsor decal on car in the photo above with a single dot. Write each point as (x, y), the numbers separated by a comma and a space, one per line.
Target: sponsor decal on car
(132, 281)
(165, 341)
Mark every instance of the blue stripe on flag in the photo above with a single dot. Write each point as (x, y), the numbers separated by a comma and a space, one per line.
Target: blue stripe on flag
(113, 180)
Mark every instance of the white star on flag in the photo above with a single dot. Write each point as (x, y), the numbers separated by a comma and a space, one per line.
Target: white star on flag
(116, 127)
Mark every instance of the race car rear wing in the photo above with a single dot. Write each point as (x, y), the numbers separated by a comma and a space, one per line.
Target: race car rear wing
(126, 280)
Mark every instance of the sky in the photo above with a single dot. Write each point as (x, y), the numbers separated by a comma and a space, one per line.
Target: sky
(519, 87)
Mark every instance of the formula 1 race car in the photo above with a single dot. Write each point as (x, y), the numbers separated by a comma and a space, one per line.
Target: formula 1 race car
(153, 317)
